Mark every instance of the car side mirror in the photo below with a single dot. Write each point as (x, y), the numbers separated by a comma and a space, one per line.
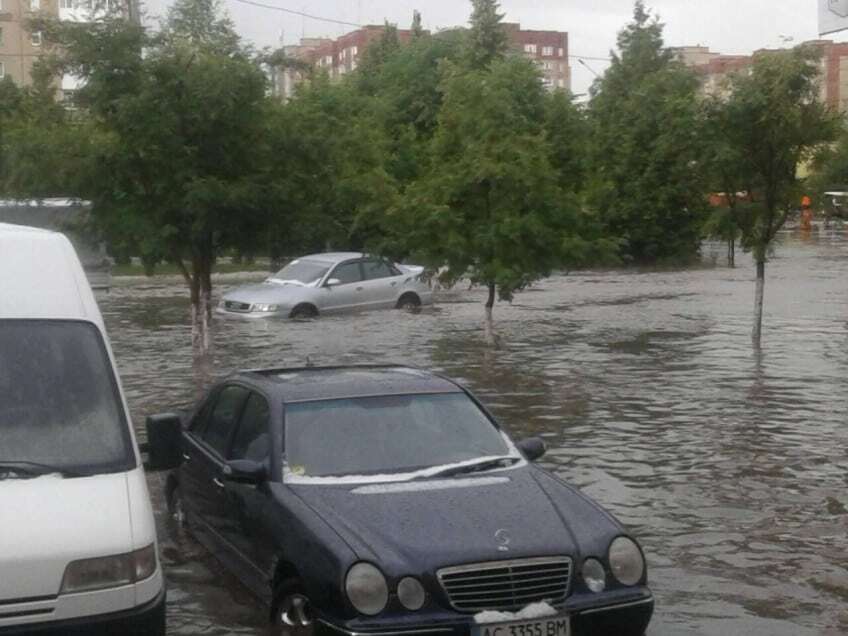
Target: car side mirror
(164, 442)
(332, 282)
(532, 448)
(245, 471)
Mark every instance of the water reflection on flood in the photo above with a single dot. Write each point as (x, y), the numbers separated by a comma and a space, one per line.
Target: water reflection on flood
(728, 463)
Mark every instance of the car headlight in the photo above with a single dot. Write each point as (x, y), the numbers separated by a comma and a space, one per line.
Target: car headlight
(411, 593)
(594, 575)
(265, 308)
(111, 571)
(366, 589)
(626, 561)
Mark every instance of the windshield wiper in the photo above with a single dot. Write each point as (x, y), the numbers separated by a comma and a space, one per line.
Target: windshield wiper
(484, 464)
(35, 469)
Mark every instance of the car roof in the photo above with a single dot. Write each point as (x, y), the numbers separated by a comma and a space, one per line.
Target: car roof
(331, 257)
(331, 383)
(42, 277)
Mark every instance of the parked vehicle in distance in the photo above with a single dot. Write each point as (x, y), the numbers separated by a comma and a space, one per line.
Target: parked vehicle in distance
(330, 283)
(387, 500)
(78, 553)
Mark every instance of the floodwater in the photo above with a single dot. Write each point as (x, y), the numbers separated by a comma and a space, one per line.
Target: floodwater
(728, 463)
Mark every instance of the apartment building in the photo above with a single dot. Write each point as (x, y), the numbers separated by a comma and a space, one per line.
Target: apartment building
(714, 69)
(20, 47)
(549, 49)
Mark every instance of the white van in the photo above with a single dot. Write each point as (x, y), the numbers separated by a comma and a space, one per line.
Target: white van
(78, 551)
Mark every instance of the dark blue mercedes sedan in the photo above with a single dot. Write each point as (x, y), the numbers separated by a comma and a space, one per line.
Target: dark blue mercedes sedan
(387, 500)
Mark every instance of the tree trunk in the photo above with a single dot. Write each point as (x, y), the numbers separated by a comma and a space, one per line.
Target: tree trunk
(491, 300)
(731, 252)
(201, 305)
(206, 290)
(758, 303)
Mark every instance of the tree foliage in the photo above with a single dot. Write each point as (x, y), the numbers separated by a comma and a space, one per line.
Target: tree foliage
(647, 182)
(180, 146)
(487, 37)
(773, 122)
(491, 206)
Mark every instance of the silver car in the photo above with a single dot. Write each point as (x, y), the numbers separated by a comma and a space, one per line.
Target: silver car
(330, 283)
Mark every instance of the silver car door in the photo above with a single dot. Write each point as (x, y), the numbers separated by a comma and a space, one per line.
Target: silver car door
(381, 283)
(348, 292)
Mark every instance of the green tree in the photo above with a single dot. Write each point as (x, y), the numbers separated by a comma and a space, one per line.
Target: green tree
(570, 140)
(647, 182)
(487, 37)
(417, 29)
(728, 175)
(34, 134)
(775, 121)
(178, 117)
(490, 207)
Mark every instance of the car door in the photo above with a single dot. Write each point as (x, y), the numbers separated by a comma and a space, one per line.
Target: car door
(248, 504)
(205, 448)
(381, 284)
(347, 293)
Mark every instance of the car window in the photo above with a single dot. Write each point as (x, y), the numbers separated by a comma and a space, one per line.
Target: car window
(221, 423)
(347, 273)
(252, 440)
(378, 269)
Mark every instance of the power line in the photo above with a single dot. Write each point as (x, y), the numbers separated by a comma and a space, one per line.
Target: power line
(589, 57)
(299, 13)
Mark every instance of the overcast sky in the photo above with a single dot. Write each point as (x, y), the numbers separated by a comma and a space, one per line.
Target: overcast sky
(728, 26)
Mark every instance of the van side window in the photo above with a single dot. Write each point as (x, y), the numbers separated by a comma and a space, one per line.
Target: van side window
(252, 440)
(222, 421)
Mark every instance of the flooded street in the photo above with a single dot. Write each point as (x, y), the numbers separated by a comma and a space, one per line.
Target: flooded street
(728, 464)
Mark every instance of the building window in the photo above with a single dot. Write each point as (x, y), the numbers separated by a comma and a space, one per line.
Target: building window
(35, 38)
(2, 70)
(66, 4)
(562, 83)
(547, 51)
(355, 50)
(530, 48)
(562, 52)
(34, 5)
(548, 66)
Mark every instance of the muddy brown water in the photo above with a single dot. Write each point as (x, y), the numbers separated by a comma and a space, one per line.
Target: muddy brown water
(729, 464)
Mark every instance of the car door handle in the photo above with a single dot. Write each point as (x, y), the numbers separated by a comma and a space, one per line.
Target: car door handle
(359, 288)
(218, 482)
(394, 282)
(186, 457)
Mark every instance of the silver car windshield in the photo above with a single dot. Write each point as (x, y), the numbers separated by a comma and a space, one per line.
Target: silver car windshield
(301, 272)
(59, 402)
(387, 435)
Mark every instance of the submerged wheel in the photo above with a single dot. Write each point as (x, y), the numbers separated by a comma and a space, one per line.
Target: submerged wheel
(409, 302)
(304, 311)
(291, 613)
